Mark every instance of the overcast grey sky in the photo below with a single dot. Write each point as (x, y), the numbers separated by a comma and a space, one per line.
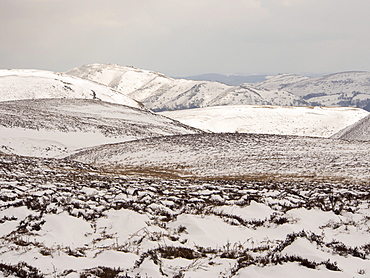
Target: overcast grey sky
(187, 37)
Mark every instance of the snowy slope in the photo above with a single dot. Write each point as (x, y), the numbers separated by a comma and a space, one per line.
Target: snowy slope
(49, 127)
(245, 156)
(307, 121)
(339, 89)
(360, 130)
(34, 84)
(160, 93)
(60, 218)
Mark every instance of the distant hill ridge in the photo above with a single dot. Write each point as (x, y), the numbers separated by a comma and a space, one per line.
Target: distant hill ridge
(159, 92)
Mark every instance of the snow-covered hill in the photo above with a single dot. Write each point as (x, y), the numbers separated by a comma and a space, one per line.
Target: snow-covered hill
(60, 218)
(159, 92)
(306, 121)
(358, 131)
(245, 156)
(339, 89)
(124, 79)
(35, 84)
(49, 127)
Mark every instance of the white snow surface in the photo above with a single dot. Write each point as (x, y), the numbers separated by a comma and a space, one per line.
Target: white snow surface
(305, 121)
(16, 84)
(125, 79)
(161, 93)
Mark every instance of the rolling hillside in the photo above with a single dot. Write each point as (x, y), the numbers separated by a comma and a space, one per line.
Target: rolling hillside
(231, 155)
(50, 127)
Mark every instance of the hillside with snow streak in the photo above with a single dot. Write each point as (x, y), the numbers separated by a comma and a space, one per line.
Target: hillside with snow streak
(359, 131)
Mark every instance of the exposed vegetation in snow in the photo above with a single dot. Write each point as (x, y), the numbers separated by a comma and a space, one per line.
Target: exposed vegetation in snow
(61, 218)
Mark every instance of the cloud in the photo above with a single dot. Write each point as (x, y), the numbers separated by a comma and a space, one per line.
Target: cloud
(186, 37)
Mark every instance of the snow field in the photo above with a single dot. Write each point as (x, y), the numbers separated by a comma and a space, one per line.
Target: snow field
(303, 121)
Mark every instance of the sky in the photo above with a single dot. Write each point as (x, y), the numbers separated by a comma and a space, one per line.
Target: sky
(182, 38)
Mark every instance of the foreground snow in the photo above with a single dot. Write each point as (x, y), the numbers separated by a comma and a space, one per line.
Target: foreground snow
(305, 121)
(65, 219)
